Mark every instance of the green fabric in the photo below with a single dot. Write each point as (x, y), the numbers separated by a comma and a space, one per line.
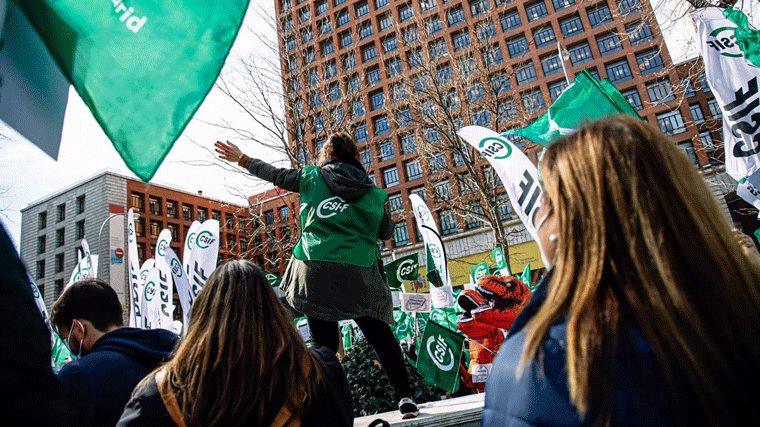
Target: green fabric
(273, 279)
(525, 277)
(747, 39)
(432, 275)
(404, 268)
(335, 230)
(439, 356)
(404, 325)
(142, 67)
(479, 270)
(586, 99)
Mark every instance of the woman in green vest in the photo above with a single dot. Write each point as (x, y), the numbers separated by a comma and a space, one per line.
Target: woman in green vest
(336, 271)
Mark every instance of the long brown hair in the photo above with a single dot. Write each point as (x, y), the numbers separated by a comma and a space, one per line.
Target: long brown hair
(241, 348)
(339, 146)
(641, 240)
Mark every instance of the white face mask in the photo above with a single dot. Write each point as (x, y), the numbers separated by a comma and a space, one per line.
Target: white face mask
(71, 350)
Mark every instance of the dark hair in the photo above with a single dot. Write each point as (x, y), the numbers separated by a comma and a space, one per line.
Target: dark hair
(91, 299)
(241, 352)
(339, 146)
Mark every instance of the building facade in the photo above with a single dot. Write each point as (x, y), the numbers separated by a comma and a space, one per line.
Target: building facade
(95, 209)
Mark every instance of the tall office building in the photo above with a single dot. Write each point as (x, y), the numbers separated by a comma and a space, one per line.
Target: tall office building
(361, 65)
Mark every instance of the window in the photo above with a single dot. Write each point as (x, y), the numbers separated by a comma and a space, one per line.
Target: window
(556, 89)
(433, 25)
(381, 3)
(633, 98)
(390, 44)
(59, 262)
(331, 70)
(481, 118)
(377, 100)
(59, 286)
(715, 110)
(706, 139)
(346, 39)
(437, 49)
(427, 5)
(334, 92)
(309, 56)
(42, 220)
(41, 269)
(550, 64)
(671, 123)
(638, 33)
(696, 112)
(599, 15)
(140, 227)
(474, 216)
(343, 18)
(544, 36)
(155, 228)
(285, 6)
(420, 192)
(405, 12)
(327, 47)
(80, 230)
(628, 7)
(361, 9)
(404, 118)
(171, 209)
(571, 25)
(413, 170)
(660, 92)
(649, 62)
(486, 30)
(580, 54)
(533, 101)
(609, 43)
(461, 40)
(322, 7)
(536, 11)
(455, 16)
(386, 150)
(365, 30)
(349, 62)
(366, 157)
(475, 92)
(390, 177)
(500, 82)
(400, 234)
(373, 76)
(411, 34)
(451, 101)
(202, 214)
(448, 222)
(703, 82)
(518, 46)
(80, 204)
(507, 110)
(437, 163)
(393, 67)
(442, 190)
(432, 136)
(503, 206)
(688, 150)
(525, 73)
(60, 237)
(61, 212)
(477, 7)
(415, 58)
(395, 204)
(619, 71)
(510, 20)
(304, 15)
(361, 132)
(307, 35)
(688, 88)
(381, 125)
(561, 4)
(154, 205)
(369, 53)
(398, 91)
(467, 65)
(385, 22)
(354, 85)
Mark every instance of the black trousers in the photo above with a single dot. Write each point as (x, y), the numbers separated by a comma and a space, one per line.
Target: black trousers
(380, 337)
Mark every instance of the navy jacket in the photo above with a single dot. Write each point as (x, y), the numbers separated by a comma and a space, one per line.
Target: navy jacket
(98, 386)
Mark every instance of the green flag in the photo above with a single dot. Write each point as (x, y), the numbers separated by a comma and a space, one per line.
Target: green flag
(433, 276)
(404, 325)
(585, 99)
(525, 277)
(404, 268)
(142, 67)
(478, 271)
(501, 262)
(747, 39)
(439, 355)
(274, 280)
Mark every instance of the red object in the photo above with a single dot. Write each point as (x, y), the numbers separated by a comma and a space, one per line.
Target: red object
(119, 252)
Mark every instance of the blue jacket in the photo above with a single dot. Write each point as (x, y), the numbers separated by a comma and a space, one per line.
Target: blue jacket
(98, 386)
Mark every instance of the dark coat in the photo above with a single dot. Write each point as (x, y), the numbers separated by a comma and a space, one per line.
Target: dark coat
(332, 405)
(98, 386)
(328, 290)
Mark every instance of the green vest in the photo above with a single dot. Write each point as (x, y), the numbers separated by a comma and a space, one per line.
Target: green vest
(335, 230)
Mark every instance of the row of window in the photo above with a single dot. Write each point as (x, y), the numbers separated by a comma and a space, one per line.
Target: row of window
(155, 207)
(42, 217)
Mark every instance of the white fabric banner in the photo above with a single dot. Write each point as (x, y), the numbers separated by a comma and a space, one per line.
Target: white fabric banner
(734, 82)
(135, 318)
(165, 289)
(75, 275)
(517, 172)
(188, 248)
(182, 284)
(88, 271)
(442, 296)
(152, 300)
(205, 250)
(148, 265)
(415, 303)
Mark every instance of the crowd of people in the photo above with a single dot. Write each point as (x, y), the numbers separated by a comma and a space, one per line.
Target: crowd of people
(649, 313)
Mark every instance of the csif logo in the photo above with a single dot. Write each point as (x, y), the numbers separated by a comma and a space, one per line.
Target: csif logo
(405, 269)
(190, 240)
(440, 353)
(150, 291)
(328, 208)
(435, 251)
(423, 213)
(499, 257)
(205, 239)
(480, 272)
(495, 148)
(131, 233)
(176, 267)
(162, 247)
(724, 42)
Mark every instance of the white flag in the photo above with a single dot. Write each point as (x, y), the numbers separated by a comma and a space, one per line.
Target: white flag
(76, 274)
(182, 284)
(88, 271)
(165, 288)
(152, 300)
(517, 172)
(135, 318)
(147, 266)
(203, 256)
(441, 294)
(188, 248)
(734, 82)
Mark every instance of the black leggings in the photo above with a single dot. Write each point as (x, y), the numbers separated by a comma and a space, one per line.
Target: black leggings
(380, 337)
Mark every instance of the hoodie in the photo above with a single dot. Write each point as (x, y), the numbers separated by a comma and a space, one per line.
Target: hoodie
(98, 386)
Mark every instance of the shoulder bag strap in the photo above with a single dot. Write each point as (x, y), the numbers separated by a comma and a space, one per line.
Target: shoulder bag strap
(169, 399)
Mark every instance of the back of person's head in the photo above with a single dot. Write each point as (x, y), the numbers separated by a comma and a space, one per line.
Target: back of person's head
(91, 299)
(641, 242)
(241, 348)
(340, 147)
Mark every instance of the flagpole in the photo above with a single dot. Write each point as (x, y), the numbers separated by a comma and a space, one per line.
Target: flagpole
(563, 56)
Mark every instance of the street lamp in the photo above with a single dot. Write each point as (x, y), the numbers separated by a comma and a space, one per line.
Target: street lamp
(110, 217)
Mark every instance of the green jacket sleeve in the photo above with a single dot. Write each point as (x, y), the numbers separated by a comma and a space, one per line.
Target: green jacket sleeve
(287, 179)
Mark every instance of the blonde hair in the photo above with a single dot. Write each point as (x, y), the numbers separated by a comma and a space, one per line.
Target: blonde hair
(641, 240)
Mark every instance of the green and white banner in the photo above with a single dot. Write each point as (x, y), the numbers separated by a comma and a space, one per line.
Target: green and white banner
(182, 284)
(479, 270)
(437, 267)
(59, 354)
(135, 296)
(147, 318)
(404, 268)
(142, 67)
(88, 272)
(189, 244)
(439, 355)
(501, 262)
(302, 325)
(165, 288)
(203, 256)
(152, 299)
(273, 279)
(76, 275)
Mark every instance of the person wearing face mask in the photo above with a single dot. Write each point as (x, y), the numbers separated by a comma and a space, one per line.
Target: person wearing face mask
(109, 359)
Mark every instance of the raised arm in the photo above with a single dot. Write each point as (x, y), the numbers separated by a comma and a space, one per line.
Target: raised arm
(287, 179)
